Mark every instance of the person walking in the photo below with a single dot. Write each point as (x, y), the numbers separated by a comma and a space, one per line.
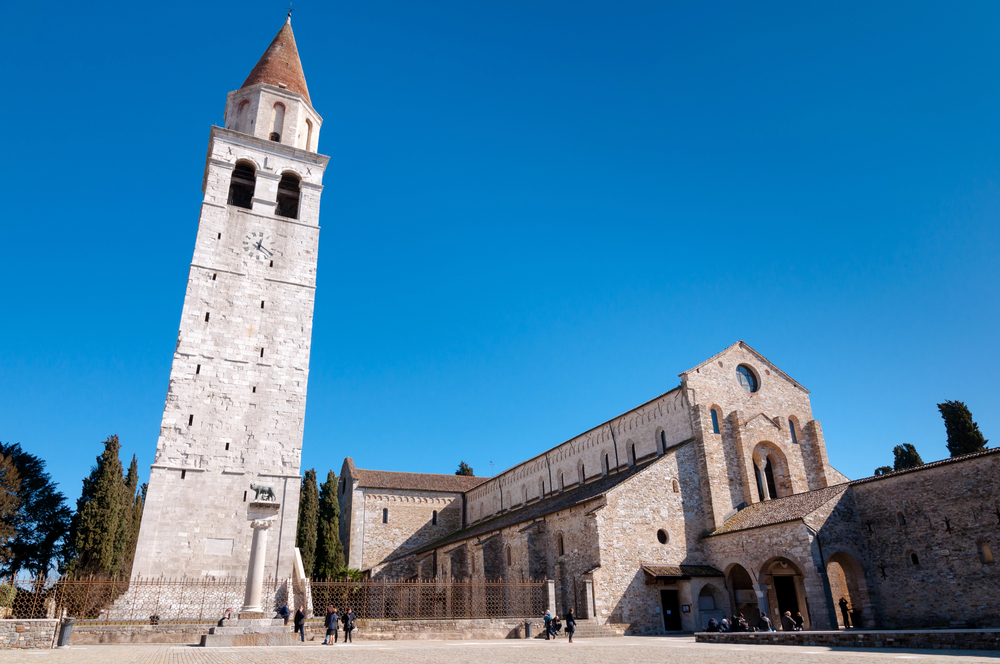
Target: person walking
(570, 624)
(764, 624)
(348, 620)
(548, 625)
(300, 623)
(787, 624)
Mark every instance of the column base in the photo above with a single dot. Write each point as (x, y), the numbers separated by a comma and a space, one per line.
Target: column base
(251, 615)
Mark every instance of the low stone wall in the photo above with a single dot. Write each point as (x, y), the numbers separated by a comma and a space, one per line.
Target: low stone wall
(28, 633)
(94, 634)
(943, 639)
(391, 630)
(367, 630)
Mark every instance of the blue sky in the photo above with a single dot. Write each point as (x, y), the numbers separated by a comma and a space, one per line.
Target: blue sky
(536, 215)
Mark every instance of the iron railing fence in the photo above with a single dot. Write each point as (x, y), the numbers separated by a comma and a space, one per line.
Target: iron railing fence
(101, 600)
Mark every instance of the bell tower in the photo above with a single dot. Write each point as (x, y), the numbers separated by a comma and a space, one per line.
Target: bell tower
(235, 405)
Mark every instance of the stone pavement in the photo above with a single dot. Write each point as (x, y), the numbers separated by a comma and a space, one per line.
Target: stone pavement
(633, 650)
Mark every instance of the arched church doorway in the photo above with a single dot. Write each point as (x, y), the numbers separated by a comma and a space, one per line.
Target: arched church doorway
(849, 590)
(785, 590)
(744, 599)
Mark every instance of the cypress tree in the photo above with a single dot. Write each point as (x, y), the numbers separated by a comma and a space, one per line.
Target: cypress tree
(305, 537)
(883, 470)
(464, 469)
(329, 550)
(95, 526)
(964, 436)
(128, 529)
(906, 457)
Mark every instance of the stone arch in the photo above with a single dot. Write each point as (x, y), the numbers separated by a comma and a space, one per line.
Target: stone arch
(741, 587)
(242, 184)
(794, 430)
(847, 584)
(605, 462)
(711, 604)
(675, 486)
(785, 583)
(630, 451)
(715, 423)
(773, 479)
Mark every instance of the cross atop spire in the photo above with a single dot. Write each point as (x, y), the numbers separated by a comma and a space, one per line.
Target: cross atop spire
(280, 65)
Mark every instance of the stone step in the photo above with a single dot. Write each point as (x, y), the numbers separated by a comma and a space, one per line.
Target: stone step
(231, 640)
(251, 629)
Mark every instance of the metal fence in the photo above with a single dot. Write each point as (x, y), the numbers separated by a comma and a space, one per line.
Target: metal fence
(97, 600)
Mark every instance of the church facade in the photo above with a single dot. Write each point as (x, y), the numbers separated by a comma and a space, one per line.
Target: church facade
(236, 401)
(712, 499)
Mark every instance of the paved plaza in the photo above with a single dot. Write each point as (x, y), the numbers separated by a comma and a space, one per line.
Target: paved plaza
(637, 650)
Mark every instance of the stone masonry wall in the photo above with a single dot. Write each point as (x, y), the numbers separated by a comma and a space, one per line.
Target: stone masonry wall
(944, 515)
(410, 521)
(25, 634)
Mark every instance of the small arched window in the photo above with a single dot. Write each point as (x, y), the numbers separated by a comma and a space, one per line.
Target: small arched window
(309, 134)
(791, 429)
(606, 465)
(434, 518)
(242, 185)
(900, 519)
(631, 454)
(562, 483)
(914, 560)
(663, 441)
(239, 124)
(560, 548)
(385, 515)
(288, 196)
(715, 421)
(277, 122)
(583, 474)
(986, 553)
(509, 557)
(675, 485)
(541, 489)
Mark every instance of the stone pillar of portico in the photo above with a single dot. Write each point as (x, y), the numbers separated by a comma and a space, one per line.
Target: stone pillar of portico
(761, 591)
(588, 599)
(550, 595)
(255, 571)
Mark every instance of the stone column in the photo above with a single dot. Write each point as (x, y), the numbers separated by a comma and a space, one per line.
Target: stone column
(550, 595)
(255, 570)
(761, 590)
(588, 599)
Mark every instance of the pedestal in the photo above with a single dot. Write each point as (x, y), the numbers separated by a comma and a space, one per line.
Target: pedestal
(261, 515)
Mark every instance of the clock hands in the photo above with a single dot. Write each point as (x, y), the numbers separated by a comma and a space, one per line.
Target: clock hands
(260, 246)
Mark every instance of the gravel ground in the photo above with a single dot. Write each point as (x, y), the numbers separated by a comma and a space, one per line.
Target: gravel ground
(637, 650)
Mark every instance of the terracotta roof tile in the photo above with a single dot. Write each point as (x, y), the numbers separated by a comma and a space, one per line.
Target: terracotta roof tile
(280, 65)
(387, 479)
(780, 510)
(932, 464)
(681, 571)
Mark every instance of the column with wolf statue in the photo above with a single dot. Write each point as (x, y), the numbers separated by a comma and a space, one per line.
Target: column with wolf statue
(261, 513)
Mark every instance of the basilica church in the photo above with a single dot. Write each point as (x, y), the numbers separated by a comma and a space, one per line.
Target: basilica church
(711, 499)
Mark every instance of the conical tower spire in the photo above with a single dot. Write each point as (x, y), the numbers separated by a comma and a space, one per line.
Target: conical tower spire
(280, 64)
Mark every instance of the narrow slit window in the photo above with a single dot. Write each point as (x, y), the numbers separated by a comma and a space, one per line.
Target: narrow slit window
(262, 304)
(214, 276)
(207, 315)
(715, 421)
(244, 496)
(197, 370)
(663, 440)
(254, 389)
(272, 264)
(791, 429)
(219, 236)
(987, 553)
(385, 515)
(227, 447)
(434, 518)
(262, 352)
(190, 420)
(184, 474)
(631, 449)
(914, 559)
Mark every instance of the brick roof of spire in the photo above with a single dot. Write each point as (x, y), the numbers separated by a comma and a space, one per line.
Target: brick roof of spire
(280, 64)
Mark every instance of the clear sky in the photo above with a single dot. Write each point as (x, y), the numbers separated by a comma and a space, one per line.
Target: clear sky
(536, 215)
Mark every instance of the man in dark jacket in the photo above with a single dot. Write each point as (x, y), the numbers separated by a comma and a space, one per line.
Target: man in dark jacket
(713, 625)
(332, 623)
(548, 626)
(764, 624)
(284, 613)
(787, 624)
(348, 621)
(300, 623)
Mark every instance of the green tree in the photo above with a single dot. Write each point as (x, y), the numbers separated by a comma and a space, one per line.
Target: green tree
(329, 550)
(883, 470)
(131, 517)
(906, 457)
(10, 506)
(964, 436)
(464, 469)
(305, 538)
(96, 525)
(43, 517)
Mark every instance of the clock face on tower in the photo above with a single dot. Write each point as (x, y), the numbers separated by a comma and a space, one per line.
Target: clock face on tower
(255, 245)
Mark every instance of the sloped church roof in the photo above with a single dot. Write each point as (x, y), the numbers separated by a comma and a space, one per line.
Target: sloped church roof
(280, 65)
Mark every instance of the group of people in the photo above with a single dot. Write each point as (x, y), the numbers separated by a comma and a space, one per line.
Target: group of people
(331, 622)
(553, 625)
(789, 623)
